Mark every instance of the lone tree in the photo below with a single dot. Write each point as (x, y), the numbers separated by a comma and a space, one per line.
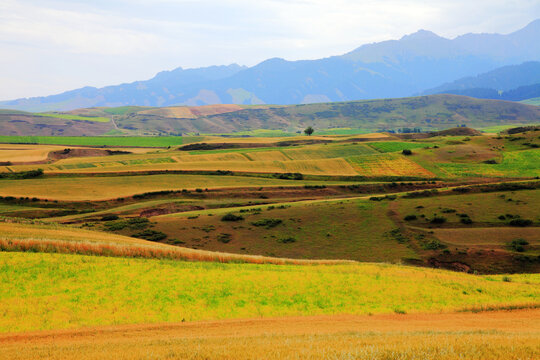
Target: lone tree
(309, 131)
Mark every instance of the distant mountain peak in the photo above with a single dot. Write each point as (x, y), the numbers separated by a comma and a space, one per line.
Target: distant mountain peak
(422, 35)
(532, 27)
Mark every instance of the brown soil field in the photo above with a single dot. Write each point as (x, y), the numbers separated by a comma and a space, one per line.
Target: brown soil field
(484, 335)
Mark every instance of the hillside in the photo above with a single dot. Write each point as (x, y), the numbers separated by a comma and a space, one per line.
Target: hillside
(433, 112)
(393, 68)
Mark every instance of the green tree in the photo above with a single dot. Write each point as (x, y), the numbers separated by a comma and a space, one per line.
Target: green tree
(309, 131)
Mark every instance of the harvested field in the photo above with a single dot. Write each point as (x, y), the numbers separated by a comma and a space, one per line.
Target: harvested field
(500, 335)
(103, 188)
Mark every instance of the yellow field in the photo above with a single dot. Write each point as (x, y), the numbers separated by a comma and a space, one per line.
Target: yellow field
(26, 153)
(307, 167)
(388, 165)
(103, 188)
(488, 335)
(182, 112)
(273, 155)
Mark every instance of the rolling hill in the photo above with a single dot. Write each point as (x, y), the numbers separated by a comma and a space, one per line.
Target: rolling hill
(394, 68)
(433, 112)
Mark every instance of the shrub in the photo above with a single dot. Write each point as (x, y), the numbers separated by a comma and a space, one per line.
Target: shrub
(232, 217)
(410, 217)
(438, 220)
(224, 238)
(268, 223)
(151, 235)
(520, 222)
(109, 218)
(287, 240)
(519, 245)
(406, 152)
(466, 220)
(433, 244)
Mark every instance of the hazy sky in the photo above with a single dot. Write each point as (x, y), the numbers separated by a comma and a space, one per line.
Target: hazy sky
(49, 46)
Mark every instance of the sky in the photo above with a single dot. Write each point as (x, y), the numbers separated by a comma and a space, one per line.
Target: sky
(50, 46)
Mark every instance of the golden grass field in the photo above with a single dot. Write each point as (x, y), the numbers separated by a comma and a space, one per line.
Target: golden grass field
(102, 188)
(499, 335)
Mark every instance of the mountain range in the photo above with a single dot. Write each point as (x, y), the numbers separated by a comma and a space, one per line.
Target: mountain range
(388, 69)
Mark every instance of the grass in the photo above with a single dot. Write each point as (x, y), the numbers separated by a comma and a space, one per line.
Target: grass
(387, 165)
(51, 238)
(355, 230)
(482, 207)
(336, 167)
(141, 141)
(75, 117)
(532, 101)
(393, 146)
(514, 164)
(96, 188)
(55, 291)
(496, 335)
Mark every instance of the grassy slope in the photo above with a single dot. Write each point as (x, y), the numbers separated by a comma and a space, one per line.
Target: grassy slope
(53, 291)
(354, 229)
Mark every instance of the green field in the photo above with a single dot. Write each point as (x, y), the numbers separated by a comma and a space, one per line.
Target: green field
(514, 164)
(533, 101)
(75, 117)
(140, 141)
(393, 146)
(53, 291)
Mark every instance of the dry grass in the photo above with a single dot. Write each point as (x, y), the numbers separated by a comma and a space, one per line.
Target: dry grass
(103, 188)
(26, 153)
(388, 165)
(496, 335)
(61, 239)
(488, 235)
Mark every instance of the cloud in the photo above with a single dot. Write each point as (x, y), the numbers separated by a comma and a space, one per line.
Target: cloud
(107, 41)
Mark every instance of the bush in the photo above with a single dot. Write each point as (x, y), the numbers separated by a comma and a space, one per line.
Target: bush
(466, 220)
(287, 240)
(109, 218)
(224, 238)
(438, 220)
(268, 223)
(519, 245)
(232, 217)
(151, 235)
(520, 222)
(410, 217)
(406, 152)
(433, 245)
